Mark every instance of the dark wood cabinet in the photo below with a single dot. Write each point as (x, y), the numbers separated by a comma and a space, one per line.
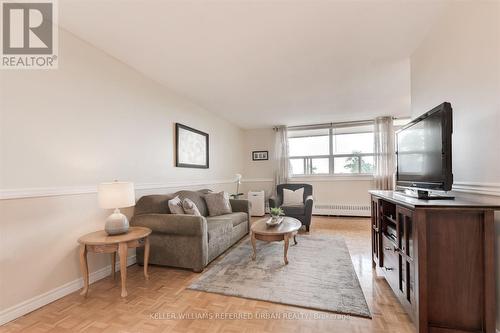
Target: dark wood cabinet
(376, 248)
(438, 258)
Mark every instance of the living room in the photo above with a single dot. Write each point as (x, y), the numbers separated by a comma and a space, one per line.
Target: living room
(115, 115)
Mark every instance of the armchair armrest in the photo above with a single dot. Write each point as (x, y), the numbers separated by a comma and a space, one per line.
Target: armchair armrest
(308, 205)
(185, 225)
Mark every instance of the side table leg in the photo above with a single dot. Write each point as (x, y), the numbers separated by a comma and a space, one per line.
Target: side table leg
(113, 265)
(122, 249)
(254, 245)
(85, 269)
(287, 236)
(146, 258)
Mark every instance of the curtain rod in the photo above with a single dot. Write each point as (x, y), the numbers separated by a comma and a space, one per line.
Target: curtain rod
(328, 125)
(332, 124)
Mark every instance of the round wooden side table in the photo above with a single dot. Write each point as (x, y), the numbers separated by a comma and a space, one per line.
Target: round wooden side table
(101, 242)
(282, 232)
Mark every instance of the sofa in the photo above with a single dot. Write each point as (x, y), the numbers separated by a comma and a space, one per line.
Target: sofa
(188, 241)
(302, 212)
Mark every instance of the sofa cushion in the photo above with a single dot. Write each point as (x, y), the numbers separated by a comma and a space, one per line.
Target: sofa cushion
(197, 198)
(219, 228)
(153, 204)
(293, 209)
(236, 218)
(218, 203)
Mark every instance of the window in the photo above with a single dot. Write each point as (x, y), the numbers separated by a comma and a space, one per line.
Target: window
(335, 150)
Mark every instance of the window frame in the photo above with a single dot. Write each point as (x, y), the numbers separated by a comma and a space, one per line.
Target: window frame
(307, 160)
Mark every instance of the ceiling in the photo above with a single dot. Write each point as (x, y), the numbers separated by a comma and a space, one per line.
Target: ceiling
(264, 63)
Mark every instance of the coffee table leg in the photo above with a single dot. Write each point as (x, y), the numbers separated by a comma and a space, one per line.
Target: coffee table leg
(286, 248)
(146, 258)
(254, 245)
(85, 269)
(295, 238)
(122, 249)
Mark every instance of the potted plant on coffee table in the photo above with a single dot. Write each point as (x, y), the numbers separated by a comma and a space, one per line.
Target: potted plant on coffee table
(276, 214)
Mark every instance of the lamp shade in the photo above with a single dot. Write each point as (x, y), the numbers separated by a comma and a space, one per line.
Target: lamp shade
(116, 195)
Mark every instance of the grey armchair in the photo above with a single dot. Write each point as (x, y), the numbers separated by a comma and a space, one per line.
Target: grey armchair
(302, 212)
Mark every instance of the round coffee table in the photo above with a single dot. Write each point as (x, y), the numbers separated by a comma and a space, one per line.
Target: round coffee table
(282, 232)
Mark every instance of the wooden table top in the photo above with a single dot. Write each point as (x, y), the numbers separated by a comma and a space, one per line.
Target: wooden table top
(102, 238)
(399, 198)
(288, 225)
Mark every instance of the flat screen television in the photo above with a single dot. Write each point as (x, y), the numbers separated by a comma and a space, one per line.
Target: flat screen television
(424, 151)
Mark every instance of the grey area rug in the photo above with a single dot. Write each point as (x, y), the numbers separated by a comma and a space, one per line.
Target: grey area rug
(320, 275)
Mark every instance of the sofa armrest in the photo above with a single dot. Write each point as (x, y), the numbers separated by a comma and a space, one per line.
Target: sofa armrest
(174, 224)
(241, 205)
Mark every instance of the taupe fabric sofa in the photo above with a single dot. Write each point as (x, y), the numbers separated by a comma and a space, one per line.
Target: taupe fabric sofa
(188, 241)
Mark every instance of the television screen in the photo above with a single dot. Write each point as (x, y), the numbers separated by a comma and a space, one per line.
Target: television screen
(424, 151)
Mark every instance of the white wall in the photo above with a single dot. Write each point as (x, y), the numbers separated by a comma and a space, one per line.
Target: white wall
(459, 62)
(258, 139)
(92, 120)
(258, 175)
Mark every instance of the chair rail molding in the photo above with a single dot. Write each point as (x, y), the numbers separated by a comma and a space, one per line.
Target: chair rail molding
(257, 180)
(22, 193)
(483, 188)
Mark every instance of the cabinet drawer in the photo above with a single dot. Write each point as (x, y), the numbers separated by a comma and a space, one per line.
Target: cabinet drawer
(389, 249)
(391, 263)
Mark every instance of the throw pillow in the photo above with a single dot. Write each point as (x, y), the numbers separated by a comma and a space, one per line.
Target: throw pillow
(218, 204)
(293, 197)
(197, 198)
(190, 208)
(175, 206)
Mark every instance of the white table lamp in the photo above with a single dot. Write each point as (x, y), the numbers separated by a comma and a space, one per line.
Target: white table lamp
(116, 195)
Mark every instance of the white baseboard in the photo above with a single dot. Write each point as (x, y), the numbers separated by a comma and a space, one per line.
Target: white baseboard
(37, 302)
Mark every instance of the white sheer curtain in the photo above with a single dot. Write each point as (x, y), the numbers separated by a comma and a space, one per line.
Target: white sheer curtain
(385, 155)
(282, 167)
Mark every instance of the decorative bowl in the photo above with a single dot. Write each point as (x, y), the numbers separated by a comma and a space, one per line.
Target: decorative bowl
(274, 221)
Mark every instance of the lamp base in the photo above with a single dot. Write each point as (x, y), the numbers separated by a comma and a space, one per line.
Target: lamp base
(116, 223)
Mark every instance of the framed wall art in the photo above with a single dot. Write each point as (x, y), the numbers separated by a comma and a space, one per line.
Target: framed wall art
(191, 147)
(260, 155)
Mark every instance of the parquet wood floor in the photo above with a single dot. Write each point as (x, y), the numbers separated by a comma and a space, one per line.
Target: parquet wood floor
(155, 305)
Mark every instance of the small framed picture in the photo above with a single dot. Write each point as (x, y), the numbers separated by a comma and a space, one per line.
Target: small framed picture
(260, 155)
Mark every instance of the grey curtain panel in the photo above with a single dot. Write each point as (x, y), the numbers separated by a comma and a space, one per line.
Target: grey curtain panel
(282, 165)
(385, 154)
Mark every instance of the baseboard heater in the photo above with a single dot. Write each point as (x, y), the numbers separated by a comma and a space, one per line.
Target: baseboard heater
(342, 209)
